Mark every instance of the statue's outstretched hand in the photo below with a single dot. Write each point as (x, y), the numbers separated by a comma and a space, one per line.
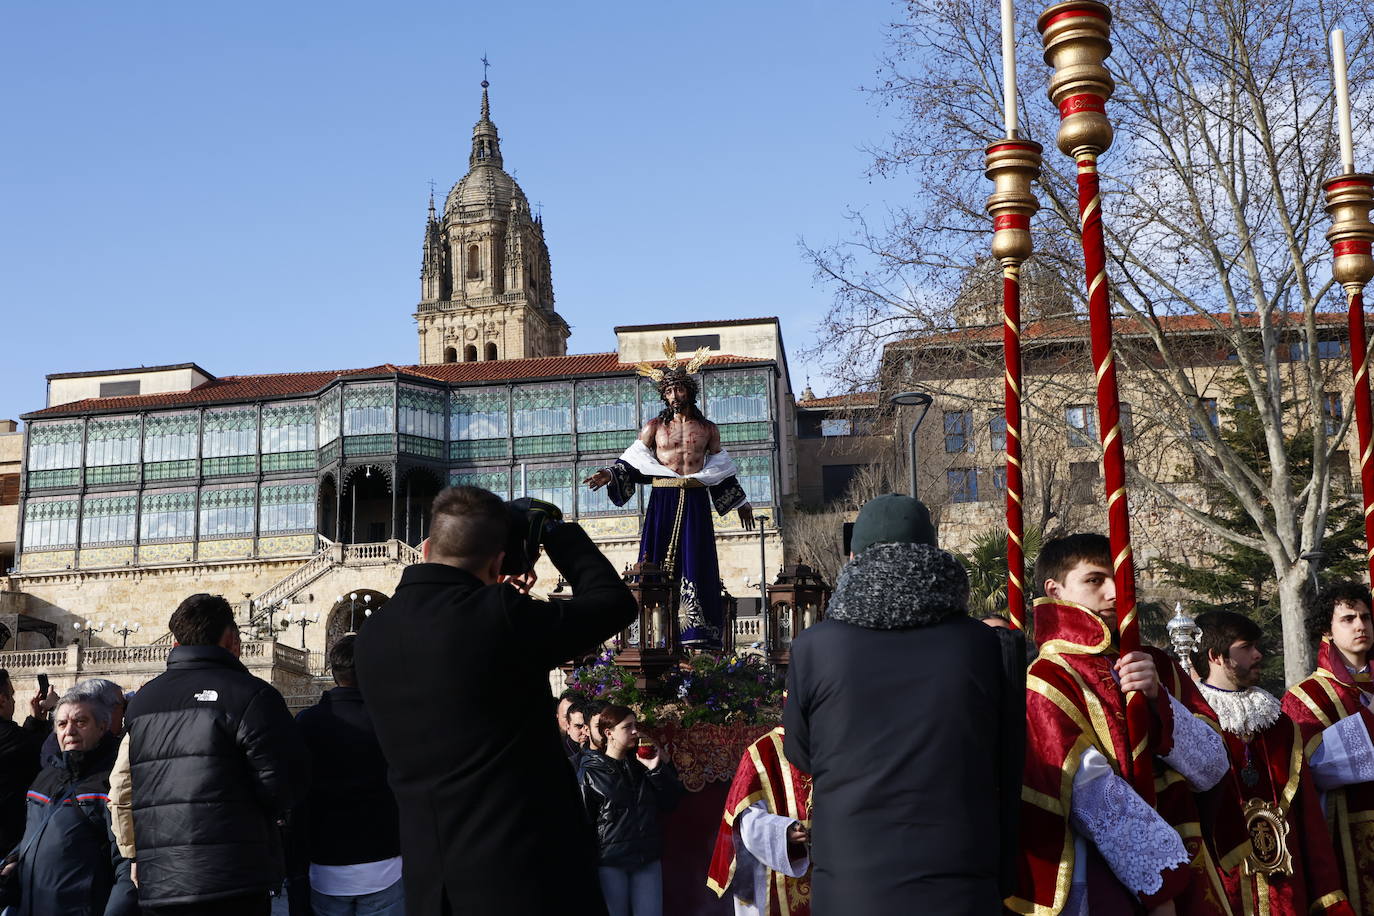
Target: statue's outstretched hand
(746, 517)
(599, 479)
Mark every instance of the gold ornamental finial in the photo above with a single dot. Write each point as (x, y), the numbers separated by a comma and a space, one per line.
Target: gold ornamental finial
(1075, 35)
(1348, 202)
(1012, 165)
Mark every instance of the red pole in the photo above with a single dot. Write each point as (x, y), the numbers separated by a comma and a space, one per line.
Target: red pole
(1348, 201)
(1075, 35)
(1012, 165)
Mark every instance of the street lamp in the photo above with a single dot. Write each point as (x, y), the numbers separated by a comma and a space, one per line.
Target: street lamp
(913, 399)
(762, 521)
(126, 628)
(87, 629)
(302, 620)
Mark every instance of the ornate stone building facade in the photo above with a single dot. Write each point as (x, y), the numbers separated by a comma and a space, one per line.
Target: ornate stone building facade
(486, 286)
(289, 493)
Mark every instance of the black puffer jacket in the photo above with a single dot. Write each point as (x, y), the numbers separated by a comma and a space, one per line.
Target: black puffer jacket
(69, 863)
(215, 763)
(623, 799)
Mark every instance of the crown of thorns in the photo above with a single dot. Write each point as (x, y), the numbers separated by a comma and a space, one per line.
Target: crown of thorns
(675, 373)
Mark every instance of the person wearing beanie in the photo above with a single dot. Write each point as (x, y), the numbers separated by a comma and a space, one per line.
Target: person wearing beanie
(909, 715)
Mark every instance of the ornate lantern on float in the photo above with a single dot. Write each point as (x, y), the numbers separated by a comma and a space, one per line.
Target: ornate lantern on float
(649, 645)
(796, 600)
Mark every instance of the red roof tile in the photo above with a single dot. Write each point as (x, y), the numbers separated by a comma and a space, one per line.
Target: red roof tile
(232, 388)
(857, 399)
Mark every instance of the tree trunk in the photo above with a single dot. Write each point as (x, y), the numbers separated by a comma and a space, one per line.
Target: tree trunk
(1297, 648)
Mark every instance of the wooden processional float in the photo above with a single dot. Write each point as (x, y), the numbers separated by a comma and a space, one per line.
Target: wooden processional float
(1075, 37)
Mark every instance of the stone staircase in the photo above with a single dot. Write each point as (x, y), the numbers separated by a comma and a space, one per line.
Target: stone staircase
(329, 557)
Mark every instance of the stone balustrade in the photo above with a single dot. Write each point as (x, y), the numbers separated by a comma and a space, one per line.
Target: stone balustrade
(285, 667)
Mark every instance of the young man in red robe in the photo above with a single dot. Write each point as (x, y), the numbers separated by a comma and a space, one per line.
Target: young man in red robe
(1289, 867)
(761, 856)
(1090, 843)
(1332, 709)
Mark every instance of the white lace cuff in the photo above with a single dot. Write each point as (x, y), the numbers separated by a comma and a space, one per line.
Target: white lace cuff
(1345, 755)
(1136, 842)
(1198, 754)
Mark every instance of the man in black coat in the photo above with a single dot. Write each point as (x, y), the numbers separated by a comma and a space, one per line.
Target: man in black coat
(346, 838)
(909, 716)
(211, 765)
(19, 753)
(455, 671)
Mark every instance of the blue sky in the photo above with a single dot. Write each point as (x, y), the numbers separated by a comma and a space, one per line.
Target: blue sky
(244, 185)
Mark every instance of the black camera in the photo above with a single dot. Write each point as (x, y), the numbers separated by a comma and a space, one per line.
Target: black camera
(530, 519)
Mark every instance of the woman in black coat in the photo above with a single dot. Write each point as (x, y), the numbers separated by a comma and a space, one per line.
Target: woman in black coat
(624, 793)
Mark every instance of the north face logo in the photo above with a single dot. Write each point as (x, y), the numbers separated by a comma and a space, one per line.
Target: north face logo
(207, 696)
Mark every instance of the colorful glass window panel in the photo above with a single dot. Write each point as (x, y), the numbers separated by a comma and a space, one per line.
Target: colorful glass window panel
(756, 477)
(227, 512)
(288, 428)
(420, 412)
(650, 402)
(497, 482)
(330, 405)
(598, 502)
(479, 413)
(737, 397)
(553, 485)
(170, 436)
(168, 516)
(233, 431)
(606, 404)
(542, 410)
(369, 410)
(54, 445)
(109, 519)
(112, 440)
(50, 523)
(287, 507)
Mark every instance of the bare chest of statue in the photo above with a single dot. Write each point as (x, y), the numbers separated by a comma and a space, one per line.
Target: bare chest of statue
(681, 443)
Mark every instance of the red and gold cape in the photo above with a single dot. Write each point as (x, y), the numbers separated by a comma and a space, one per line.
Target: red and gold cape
(1278, 775)
(1331, 694)
(1074, 703)
(764, 774)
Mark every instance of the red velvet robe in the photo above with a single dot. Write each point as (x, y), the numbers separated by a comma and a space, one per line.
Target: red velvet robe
(1277, 761)
(1328, 696)
(764, 773)
(1073, 703)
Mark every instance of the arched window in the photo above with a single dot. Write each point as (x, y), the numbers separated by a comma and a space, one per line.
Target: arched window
(491, 351)
(474, 262)
(470, 353)
(450, 354)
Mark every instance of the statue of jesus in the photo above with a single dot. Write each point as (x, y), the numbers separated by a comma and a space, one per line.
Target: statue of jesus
(678, 453)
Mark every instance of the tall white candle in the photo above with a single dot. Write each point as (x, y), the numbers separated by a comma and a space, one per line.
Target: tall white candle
(1009, 68)
(1342, 100)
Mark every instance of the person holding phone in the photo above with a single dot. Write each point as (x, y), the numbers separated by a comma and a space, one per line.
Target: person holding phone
(19, 756)
(626, 783)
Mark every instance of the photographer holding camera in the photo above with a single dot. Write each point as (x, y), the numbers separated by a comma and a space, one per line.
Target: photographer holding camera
(454, 669)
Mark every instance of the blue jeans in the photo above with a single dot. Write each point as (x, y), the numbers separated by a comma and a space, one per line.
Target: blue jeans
(633, 891)
(389, 901)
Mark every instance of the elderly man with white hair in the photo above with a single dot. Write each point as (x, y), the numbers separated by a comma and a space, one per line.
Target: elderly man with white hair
(67, 861)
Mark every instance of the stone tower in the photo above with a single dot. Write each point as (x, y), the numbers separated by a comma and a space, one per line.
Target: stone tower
(486, 290)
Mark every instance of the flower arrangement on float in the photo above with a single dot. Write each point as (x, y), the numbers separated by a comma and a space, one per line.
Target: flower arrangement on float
(708, 688)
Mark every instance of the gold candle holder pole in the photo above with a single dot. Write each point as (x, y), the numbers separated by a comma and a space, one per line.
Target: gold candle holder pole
(1012, 165)
(1075, 36)
(1349, 199)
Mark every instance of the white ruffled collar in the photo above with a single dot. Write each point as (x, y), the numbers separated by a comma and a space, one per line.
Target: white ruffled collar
(1244, 713)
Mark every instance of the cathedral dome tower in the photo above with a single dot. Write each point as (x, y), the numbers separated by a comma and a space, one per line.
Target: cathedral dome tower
(486, 288)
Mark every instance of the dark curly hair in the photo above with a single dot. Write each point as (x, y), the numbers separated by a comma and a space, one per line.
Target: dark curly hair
(1321, 609)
